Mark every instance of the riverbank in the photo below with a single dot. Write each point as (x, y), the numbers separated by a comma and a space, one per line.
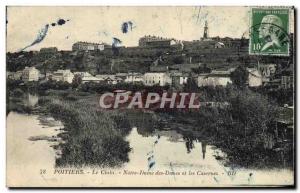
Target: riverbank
(247, 130)
(92, 137)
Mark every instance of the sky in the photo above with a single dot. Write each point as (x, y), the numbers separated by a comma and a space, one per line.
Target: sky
(101, 24)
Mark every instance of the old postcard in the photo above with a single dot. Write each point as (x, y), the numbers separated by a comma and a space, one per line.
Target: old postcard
(193, 96)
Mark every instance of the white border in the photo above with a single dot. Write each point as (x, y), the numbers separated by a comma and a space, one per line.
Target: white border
(3, 3)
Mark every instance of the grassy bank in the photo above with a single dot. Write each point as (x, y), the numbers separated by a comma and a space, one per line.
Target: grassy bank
(245, 130)
(92, 137)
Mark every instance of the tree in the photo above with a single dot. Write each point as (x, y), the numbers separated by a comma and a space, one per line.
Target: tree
(201, 69)
(101, 64)
(229, 60)
(76, 81)
(246, 128)
(239, 76)
(178, 60)
(191, 84)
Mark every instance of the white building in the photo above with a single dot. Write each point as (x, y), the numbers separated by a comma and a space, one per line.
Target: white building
(134, 78)
(267, 70)
(87, 46)
(87, 77)
(14, 75)
(109, 78)
(215, 78)
(154, 41)
(30, 74)
(61, 75)
(219, 45)
(287, 81)
(179, 78)
(18, 75)
(9, 75)
(157, 78)
(255, 78)
(102, 77)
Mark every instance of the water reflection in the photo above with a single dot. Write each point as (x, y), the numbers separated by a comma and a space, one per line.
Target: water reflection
(203, 145)
(174, 136)
(31, 99)
(25, 156)
(189, 144)
(161, 150)
(166, 148)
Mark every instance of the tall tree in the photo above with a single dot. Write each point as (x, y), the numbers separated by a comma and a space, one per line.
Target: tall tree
(239, 76)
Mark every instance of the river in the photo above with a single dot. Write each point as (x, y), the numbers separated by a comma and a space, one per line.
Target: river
(33, 161)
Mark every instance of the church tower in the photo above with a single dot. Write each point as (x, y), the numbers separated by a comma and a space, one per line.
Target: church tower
(205, 34)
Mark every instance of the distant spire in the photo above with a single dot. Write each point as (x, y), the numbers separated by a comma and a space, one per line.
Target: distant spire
(205, 34)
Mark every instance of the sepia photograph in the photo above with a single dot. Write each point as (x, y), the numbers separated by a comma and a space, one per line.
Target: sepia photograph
(150, 96)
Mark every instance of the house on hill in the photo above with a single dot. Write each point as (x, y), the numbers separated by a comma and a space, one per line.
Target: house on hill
(215, 78)
(87, 77)
(255, 78)
(154, 41)
(134, 78)
(30, 74)
(49, 50)
(109, 78)
(87, 46)
(157, 78)
(61, 75)
(179, 79)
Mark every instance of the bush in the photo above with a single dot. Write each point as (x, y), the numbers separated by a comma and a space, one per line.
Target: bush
(94, 137)
(244, 128)
(17, 93)
(57, 85)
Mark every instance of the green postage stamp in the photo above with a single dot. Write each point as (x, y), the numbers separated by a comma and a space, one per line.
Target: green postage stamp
(269, 31)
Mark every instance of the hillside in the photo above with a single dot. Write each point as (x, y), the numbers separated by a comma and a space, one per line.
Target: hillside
(139, 59)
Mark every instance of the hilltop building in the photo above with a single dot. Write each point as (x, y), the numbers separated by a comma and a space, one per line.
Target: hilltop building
(87, 46)
(154, 41)
(49, 50)
(205, 32)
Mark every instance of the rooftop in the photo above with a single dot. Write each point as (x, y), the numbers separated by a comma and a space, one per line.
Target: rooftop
(90, 43)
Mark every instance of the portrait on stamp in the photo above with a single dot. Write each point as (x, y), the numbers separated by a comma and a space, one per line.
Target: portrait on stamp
(269, 31)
